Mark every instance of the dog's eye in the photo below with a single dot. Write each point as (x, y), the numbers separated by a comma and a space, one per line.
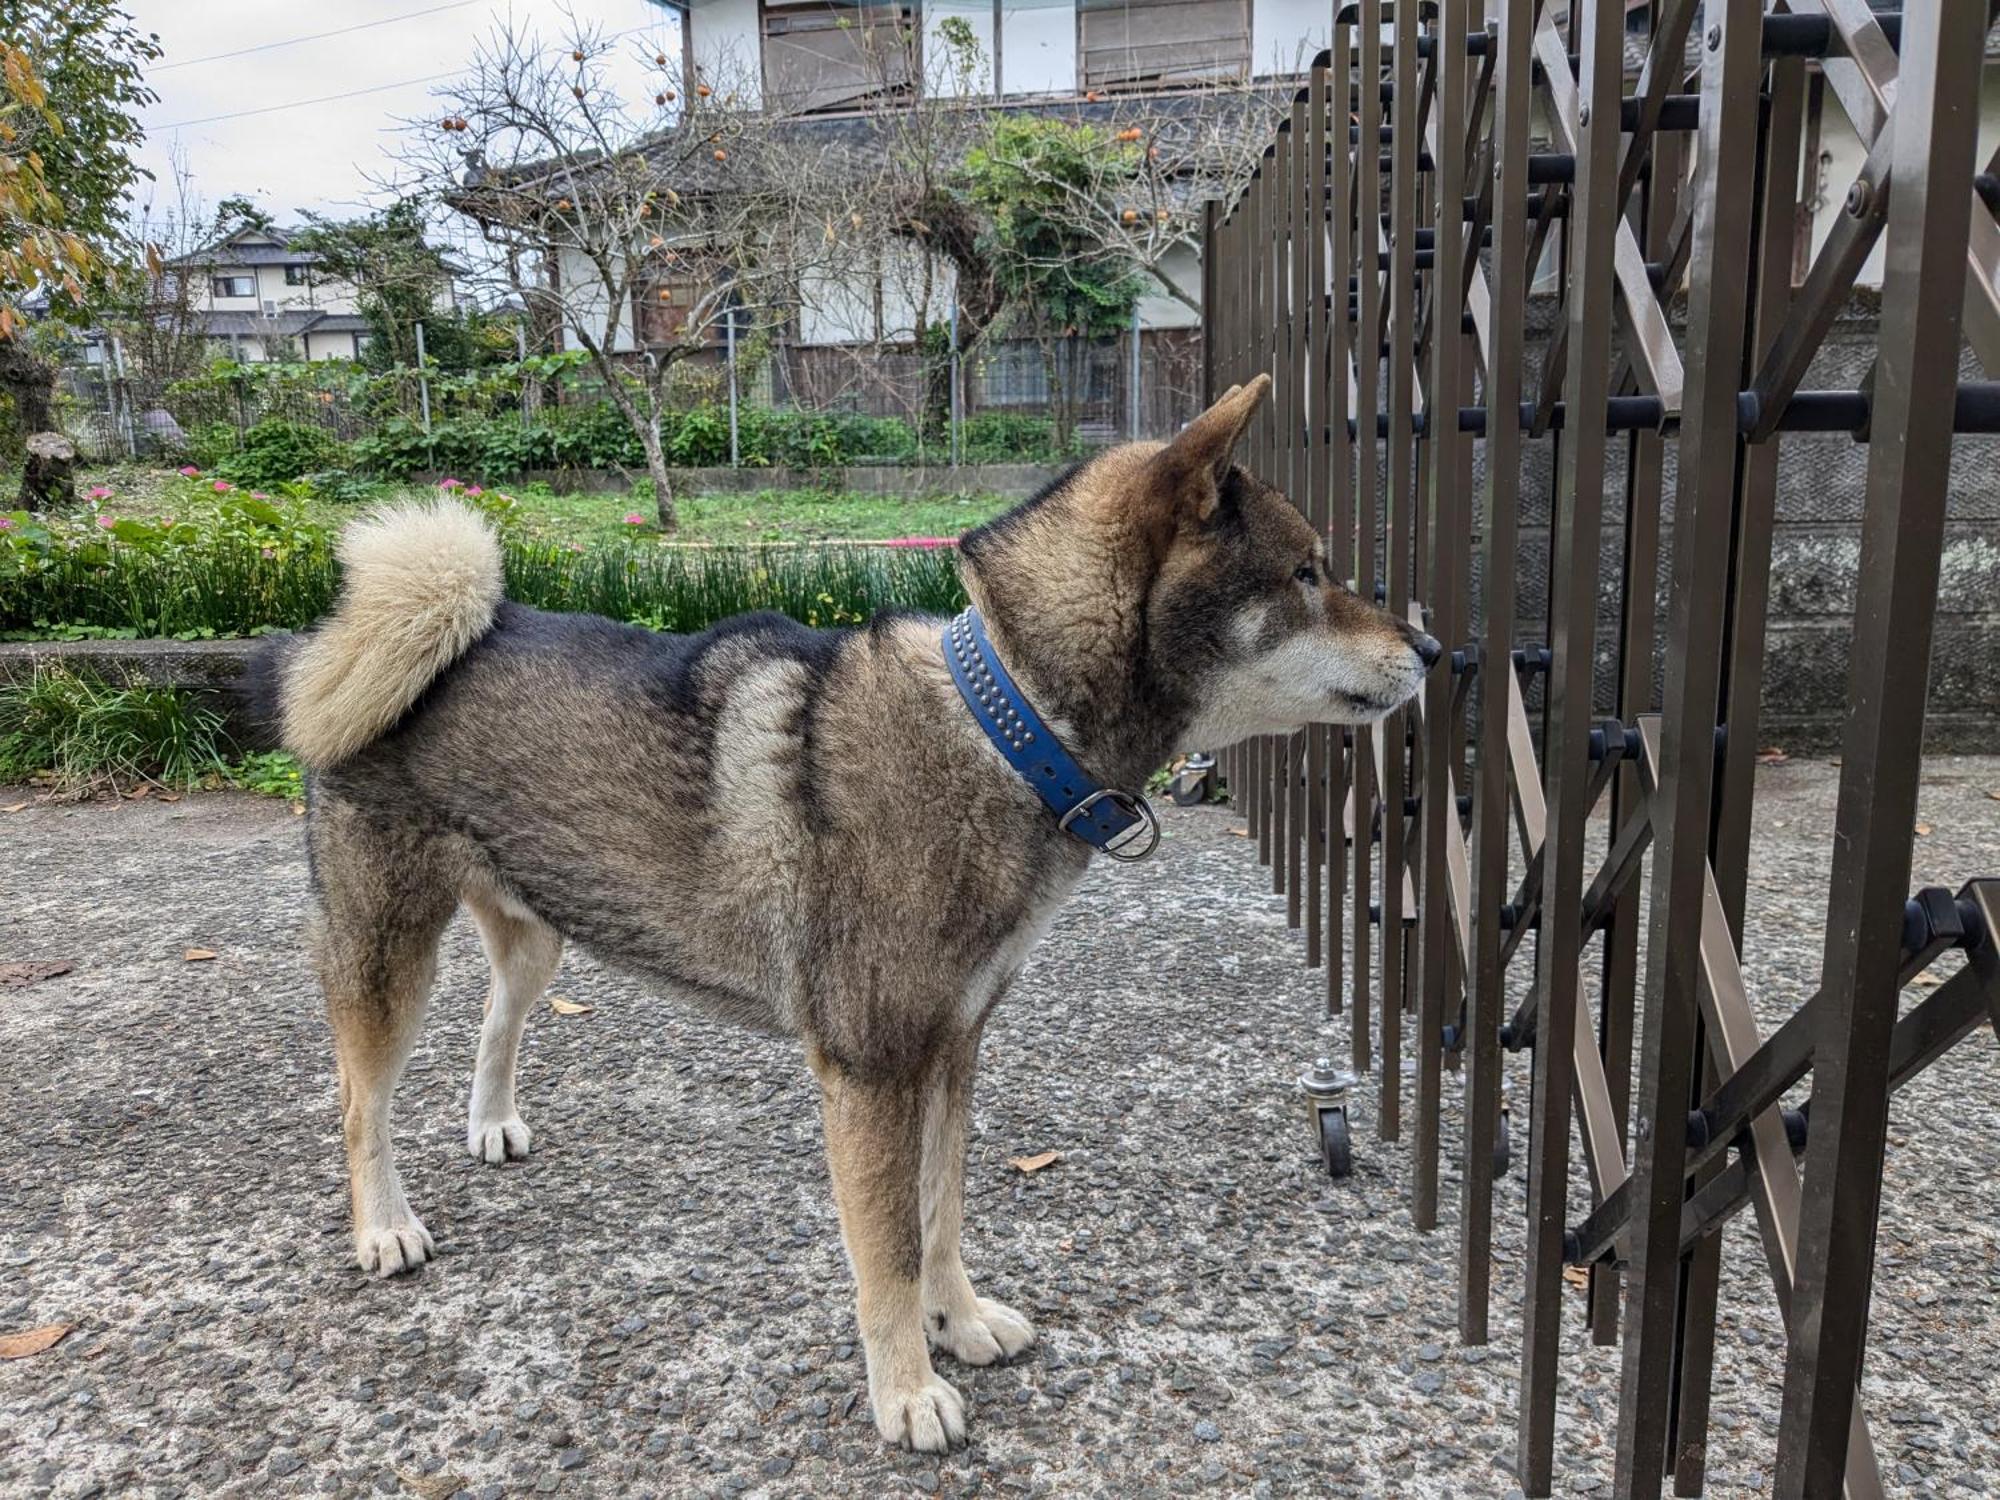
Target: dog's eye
(1307, 573)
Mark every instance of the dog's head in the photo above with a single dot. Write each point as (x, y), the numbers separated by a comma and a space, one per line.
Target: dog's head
(1210, 584)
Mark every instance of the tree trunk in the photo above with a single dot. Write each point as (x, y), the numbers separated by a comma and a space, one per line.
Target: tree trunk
(663, 481)
(31, 381)
(48, 480)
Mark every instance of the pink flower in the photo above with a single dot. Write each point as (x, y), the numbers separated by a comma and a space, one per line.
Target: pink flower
(258, 495)
(99, 492)
(189, 471)
(106, 522)
(6, 523)
(451, 484)
(573, 546)
(474, 490)
(635, 519)
(223, 486)
(924, 542)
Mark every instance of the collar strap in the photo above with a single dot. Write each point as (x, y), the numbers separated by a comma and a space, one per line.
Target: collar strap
(1121, 824)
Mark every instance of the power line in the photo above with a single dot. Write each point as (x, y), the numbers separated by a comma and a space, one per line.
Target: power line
(299, 103)
(317, 36)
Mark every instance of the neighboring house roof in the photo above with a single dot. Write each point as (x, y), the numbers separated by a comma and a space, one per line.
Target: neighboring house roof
(228, 252)
(288, 324)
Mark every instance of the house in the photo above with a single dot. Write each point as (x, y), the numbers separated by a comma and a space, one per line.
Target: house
(257, 297)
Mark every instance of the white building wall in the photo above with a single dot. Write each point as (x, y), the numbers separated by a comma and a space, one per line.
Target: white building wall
(728, 45)
(586, 303)
(1181, 266)
(1038, 49)
(1838, 142)
(1285, 34)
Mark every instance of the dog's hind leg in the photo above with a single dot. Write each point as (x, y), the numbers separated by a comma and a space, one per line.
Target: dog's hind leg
(874, 1137)
(525, 953)
(974, 1329)
(381, 907)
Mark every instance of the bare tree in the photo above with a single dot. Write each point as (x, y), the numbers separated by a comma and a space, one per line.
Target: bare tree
(640, 228)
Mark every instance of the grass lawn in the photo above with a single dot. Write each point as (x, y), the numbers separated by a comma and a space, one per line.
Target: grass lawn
(764, 516)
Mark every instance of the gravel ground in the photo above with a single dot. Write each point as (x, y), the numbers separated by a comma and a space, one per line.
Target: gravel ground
(657, 1303)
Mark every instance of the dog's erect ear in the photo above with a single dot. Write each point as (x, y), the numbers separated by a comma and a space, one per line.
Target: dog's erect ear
(1196, 462)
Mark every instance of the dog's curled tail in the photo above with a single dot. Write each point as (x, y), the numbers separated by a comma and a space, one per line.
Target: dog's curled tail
(420, 583)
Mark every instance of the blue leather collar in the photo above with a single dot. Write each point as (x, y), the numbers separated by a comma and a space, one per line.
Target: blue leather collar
(1121, 824)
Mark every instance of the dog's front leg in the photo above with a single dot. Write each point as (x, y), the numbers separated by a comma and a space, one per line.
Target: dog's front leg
(874, 1138)
(975, 1329)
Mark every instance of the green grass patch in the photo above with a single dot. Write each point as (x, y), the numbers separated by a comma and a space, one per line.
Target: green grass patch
(81, 729)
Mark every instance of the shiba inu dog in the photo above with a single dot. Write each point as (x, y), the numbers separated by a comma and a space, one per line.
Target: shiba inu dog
(818, 833)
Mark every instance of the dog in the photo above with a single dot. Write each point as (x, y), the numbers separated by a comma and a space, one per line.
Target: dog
(811, 832)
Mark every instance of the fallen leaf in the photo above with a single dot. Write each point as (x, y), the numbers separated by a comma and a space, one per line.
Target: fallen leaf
(198, 955)
(564, 1007)
(1576, 1276)
(1923, 830)
(1241, 833)
(170, 796)
(1930, 979)
(1772, 755)
(1035, 1163)
(22, 806)
(33, 1341)
(1995, 796)
(34, 972)
(433, 1486)
(142, 790)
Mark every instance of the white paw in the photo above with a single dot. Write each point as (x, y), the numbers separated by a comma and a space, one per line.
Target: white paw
(401, 1247)
(928, 1419)
(990, 1331)
(495, 1141)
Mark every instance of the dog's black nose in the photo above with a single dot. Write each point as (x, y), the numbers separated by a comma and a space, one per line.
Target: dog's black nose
(1428, 650)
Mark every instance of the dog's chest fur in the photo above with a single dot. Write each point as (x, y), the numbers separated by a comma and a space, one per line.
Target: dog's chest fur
(800, 830)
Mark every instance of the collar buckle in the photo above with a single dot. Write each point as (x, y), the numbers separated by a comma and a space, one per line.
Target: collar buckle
(1145, 824)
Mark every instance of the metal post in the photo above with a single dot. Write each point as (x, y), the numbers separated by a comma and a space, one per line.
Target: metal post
(1902, 543)
(1132, 397)
(729, 328)
(423, 381)
(955, 438)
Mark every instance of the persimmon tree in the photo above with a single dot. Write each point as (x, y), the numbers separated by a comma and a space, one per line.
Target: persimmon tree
(640, 226)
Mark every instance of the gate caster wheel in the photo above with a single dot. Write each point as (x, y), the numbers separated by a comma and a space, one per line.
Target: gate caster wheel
(1503, 1147)
(1190, 784)
(1336, 1145)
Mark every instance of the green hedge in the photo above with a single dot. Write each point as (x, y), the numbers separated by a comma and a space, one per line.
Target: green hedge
(596, 436)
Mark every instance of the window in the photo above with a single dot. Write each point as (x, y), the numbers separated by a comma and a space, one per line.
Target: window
(1125, 44)
(833, 54)
(233, 286)
(298, 276)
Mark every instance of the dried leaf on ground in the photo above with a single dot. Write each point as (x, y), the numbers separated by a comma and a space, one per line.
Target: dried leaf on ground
(1923, 830)
(1995, 795)
(1035, 1163)
(198, 955)
(138, 793)
(1772, 755)
(1576, 1276)
(33, 972)
(1241, 833)
(32, 1341)
(564, 1007)
(433, 1486)
(23, 807)
(1930, 979)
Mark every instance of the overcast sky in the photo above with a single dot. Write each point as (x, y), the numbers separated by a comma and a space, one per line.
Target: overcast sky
(320, 155)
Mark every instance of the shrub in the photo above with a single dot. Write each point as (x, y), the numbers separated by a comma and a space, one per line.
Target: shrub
(1007, 438)
(275, 451)
(84, 729)
(233, 565)
(209, 444)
